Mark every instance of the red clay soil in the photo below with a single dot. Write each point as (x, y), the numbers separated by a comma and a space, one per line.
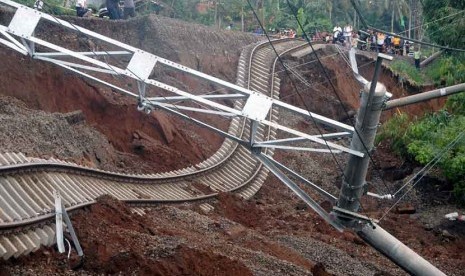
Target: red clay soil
(147, 139)
(271, 234)
(321, 94)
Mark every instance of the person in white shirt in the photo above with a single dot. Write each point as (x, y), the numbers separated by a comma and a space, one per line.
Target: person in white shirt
(336, 31)
(81, 8)
(38, 5)
(348, 35)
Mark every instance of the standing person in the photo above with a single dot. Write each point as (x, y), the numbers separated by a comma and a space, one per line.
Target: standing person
(387, 43)
(380, 42)
(374, 46)
(336, 32)
(396, 43)
(113, 9)
(348, 35)
(354, 38)
(416, 56)
(81, 8)
(38, 5)
(129, 9)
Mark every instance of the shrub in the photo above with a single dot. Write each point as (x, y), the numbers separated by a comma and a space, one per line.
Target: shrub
(447, 70)
(429, 137)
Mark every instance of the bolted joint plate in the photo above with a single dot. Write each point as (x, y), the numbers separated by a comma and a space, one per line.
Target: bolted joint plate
(141, 65)
(24, 22)
(257, 106)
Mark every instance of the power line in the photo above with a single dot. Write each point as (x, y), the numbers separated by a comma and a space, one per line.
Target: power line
(426, 24)
(423, 172)
(292, 82)
(333, 88)
(397, 35)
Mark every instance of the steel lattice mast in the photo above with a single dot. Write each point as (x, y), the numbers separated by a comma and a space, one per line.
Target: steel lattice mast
(19, 35)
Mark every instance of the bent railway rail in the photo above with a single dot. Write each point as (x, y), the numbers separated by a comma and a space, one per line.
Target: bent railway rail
(27, 184)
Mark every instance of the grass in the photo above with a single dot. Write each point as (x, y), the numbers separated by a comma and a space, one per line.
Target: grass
(408, 71)
(447, 70)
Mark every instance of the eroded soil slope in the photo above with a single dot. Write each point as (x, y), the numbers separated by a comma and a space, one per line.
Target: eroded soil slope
(145, 139)
(272, 234)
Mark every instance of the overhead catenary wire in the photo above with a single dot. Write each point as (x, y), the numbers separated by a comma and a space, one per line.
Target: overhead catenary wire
(334, 89)
(427, 23)
(295, 87)
(397, 35)
(107, 54)
(297, 90)
(292, 82)
(423, 172)
(456, 140)
(314, 84)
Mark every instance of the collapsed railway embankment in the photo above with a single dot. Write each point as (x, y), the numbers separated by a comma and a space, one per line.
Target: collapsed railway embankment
(272, 234)
(133, 140)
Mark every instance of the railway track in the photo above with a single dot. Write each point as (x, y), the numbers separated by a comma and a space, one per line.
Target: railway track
(27, 184)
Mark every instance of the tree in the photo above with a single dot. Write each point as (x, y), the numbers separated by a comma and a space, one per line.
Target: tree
(446, 21)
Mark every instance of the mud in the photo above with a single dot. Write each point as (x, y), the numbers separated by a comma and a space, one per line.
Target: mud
(271, 234)
(146, 139)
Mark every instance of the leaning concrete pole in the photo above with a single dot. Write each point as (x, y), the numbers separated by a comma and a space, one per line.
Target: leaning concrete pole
(354, 186)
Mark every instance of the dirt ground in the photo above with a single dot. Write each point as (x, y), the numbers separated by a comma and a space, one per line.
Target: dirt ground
(45, 111)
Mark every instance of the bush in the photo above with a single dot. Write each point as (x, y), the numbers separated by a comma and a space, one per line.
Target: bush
(394, 130)
(53, 7)
(456, 104)
(448, 70)
(428, 138)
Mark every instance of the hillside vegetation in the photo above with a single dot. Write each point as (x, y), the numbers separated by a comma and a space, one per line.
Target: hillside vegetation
(438, 139)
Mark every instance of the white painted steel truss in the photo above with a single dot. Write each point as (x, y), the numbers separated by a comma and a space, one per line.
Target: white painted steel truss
(20, 35)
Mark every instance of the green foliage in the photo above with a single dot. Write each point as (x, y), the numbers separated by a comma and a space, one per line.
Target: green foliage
(427, 138)
(448, 70)
(450, 30)
(54, 7)
(456, 104)
(302, 19)
(394, 130)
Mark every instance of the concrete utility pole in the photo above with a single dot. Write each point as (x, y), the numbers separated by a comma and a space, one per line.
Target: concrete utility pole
(354, 186)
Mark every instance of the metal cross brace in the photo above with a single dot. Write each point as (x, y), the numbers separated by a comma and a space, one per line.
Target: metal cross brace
(23, 27)
(60, 212)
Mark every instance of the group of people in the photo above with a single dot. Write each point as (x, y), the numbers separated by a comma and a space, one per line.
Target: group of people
(380, 42)
(390, 44)
(371, 41)
(286, 33)
(344, 36)
(278, 33)
(113, 9)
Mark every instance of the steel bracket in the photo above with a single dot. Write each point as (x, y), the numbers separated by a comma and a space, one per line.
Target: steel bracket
(61, 214)
(343, 213)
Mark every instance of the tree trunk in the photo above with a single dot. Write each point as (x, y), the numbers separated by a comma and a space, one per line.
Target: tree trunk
(263, 16)
(355, 19)
(216, 14)
(392, 20)
(410, 19)
(431, 58)
(330, 11)
(242, 18)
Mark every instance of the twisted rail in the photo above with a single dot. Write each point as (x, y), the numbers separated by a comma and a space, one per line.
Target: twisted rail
(27, 184)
